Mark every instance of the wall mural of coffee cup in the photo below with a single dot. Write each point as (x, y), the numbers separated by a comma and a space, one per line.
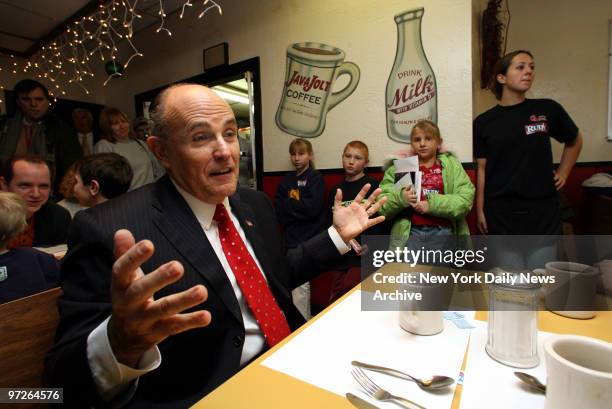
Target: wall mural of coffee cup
(308, 95)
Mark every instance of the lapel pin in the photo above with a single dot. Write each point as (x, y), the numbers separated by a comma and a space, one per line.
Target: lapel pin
(249, 223)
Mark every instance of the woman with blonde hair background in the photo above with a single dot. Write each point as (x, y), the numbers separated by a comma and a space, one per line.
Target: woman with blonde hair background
(117, 137)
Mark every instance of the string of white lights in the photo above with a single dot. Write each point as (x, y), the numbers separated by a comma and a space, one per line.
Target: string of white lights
(67, 59)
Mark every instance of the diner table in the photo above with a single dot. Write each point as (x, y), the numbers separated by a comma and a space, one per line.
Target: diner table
(57, 251)
(311, 367)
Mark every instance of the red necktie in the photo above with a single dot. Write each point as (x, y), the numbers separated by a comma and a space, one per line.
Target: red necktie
(268, 314)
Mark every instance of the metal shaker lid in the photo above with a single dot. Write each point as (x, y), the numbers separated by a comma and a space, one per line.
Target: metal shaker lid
(514, 279)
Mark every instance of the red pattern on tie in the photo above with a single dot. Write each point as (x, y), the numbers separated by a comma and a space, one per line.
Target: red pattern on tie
(254, 287)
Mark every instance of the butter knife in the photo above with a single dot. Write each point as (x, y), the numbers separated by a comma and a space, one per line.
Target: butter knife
(360, 403)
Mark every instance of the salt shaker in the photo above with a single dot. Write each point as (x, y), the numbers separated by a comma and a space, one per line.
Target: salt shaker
(513, 318)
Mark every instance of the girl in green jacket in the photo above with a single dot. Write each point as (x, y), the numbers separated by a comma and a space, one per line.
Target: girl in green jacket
(447, 193)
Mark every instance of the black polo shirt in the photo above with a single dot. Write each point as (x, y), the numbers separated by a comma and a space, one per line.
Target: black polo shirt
(515, 140)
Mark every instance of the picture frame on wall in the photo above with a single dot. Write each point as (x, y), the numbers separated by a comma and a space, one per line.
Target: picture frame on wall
(215, 56)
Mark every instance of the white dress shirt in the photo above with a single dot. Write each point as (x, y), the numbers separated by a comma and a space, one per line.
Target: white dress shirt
(113, 378)
(86, 142)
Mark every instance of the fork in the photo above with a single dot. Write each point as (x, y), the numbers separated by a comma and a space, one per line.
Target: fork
(379, 393)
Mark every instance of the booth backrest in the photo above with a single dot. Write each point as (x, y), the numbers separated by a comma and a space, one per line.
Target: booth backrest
(27, 332)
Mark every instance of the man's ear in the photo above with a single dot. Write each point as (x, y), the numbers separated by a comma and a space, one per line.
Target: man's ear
(94, 188)
(157, 145)
(3, 185)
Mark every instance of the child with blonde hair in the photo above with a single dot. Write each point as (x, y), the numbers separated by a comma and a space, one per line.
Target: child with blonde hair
(24, 270)
(447, 193)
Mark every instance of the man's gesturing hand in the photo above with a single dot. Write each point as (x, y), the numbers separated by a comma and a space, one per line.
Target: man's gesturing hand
(138, 322)
(351, 221)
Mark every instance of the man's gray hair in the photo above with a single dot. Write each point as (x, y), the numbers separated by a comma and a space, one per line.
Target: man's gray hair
(159, 115)
(85, 111)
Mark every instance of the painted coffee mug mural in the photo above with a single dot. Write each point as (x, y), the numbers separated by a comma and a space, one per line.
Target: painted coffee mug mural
(312, 69)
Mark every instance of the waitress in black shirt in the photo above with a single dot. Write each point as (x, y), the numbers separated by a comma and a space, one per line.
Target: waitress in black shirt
(517, 184)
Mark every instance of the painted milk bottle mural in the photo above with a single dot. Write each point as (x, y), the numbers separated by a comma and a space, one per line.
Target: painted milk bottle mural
(411, 89)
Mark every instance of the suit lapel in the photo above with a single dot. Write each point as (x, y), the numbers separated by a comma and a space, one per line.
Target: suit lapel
(179, 225)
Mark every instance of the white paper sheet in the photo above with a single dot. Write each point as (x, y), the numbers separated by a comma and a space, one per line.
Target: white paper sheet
(321, 354)
(490, 384)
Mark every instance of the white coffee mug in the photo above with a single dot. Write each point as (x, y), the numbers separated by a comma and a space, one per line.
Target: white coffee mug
(605, 269)
(573, 292)
(424, 317)
(579, 372)
(421, 322)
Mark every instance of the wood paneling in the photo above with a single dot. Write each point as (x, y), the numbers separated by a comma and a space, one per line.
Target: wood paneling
(27, 332)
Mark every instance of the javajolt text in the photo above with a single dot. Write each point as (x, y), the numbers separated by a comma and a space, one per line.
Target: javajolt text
(308, 82)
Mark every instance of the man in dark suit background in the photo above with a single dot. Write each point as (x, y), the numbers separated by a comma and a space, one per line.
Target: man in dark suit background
(82, 121)
(34, 129)
(174, 305)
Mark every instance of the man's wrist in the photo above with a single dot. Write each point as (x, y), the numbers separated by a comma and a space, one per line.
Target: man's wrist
(341, 244)
(128, 359)
(112, 378)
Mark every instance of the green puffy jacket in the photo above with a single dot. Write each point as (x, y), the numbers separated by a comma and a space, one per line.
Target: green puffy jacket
(453, 205)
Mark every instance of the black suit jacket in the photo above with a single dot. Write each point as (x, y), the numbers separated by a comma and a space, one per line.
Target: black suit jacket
(51, 225)
(159, 213)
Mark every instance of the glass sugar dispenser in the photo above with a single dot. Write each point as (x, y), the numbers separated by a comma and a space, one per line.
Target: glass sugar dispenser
(512, 334)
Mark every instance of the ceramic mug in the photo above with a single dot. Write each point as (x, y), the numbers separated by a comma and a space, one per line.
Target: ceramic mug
(605, 269)
(573, 292)
(424, 317)
(579, 372)
(307, 96)
(422, 322)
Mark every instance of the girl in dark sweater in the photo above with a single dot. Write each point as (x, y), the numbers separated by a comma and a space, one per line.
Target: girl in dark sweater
(299, 206)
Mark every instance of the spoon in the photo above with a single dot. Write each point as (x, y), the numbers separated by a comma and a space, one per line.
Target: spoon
(531, 381)
(434, 382)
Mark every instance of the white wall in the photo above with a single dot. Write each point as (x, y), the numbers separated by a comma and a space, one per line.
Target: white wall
(365, 30)
(569, 41)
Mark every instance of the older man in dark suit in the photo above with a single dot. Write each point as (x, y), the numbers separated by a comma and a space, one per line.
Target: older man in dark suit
(169, 290)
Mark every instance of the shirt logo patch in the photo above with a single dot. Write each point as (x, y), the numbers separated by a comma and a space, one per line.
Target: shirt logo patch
(536, 118)
(3, 273)
(536, 128)
(428, 192)
(302, 183)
